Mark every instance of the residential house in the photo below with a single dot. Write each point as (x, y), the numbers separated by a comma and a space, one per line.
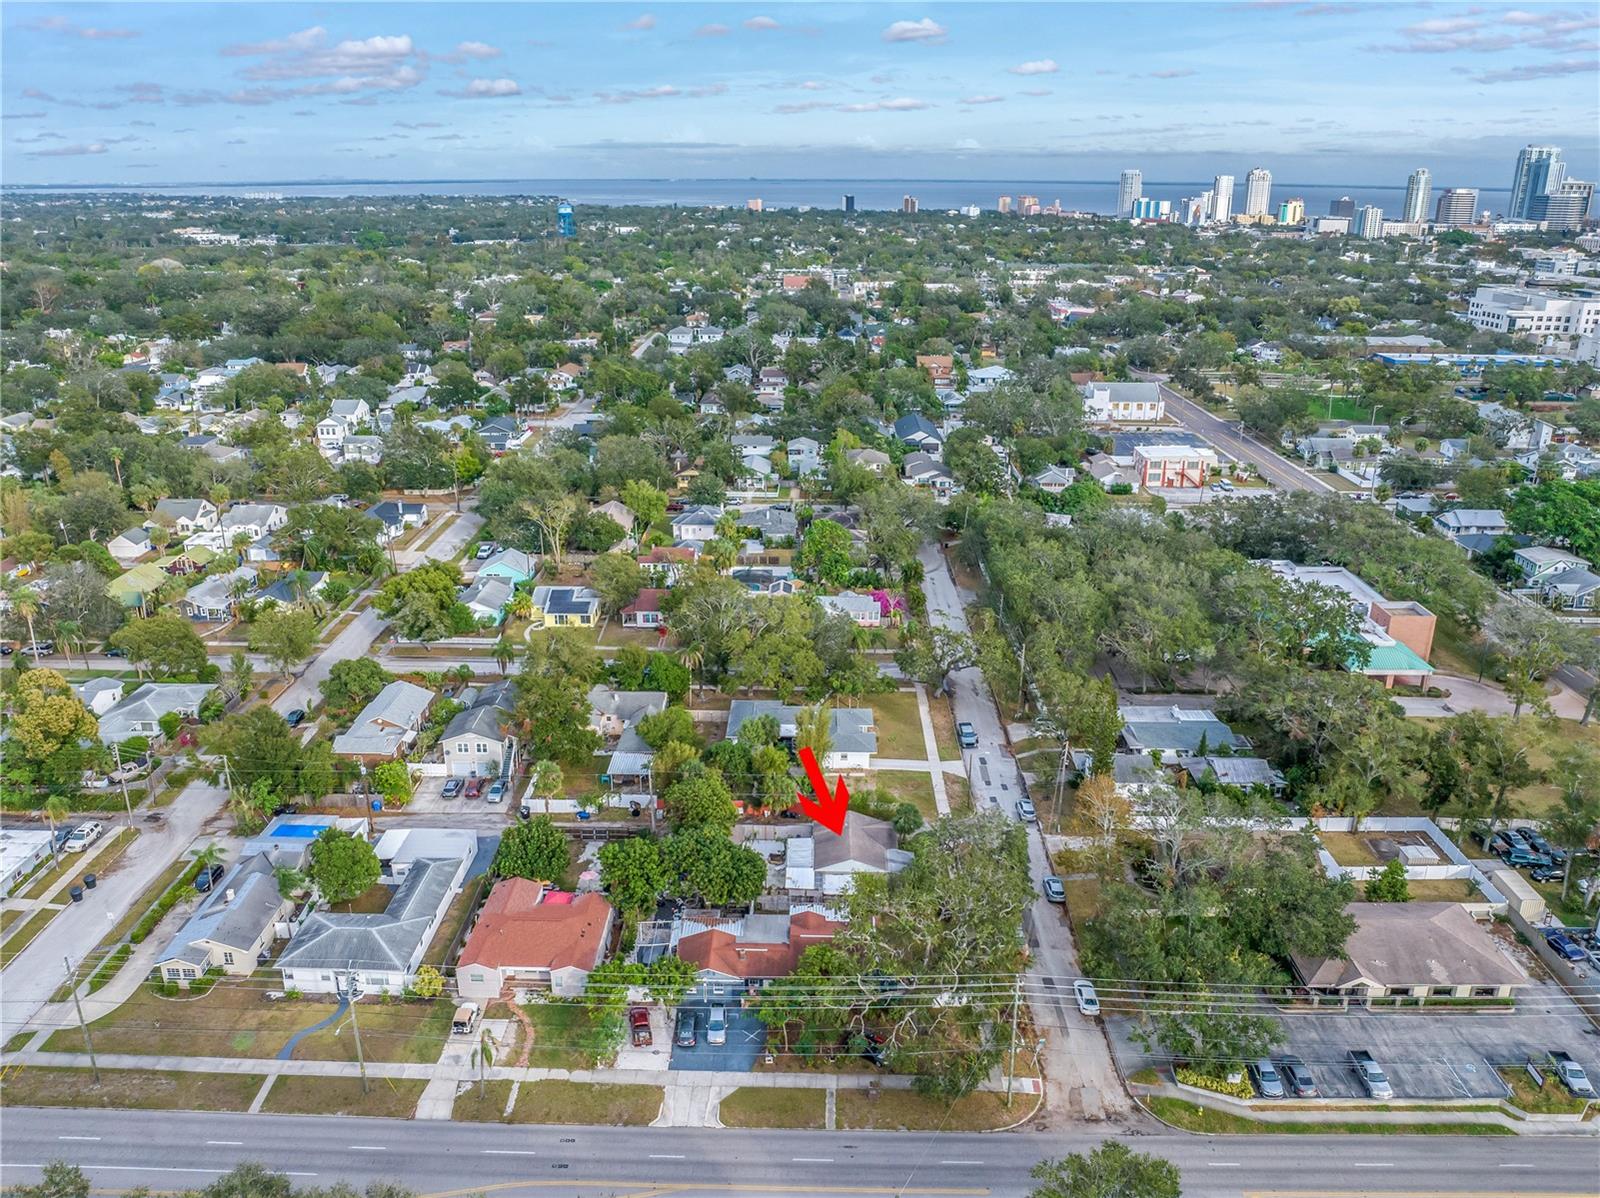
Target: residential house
(478, 741)
(1480, 521)
(698, 523)
(1178, 466)
(129, 546)
(805, 456)
(374, 953)
(214, 600)
(1577, 589)
(400, 850)
(140, 713)
(853, 733)
(923, 470)
(486, 599)
(862, 610)
(362, 449)
(615, 715)
(189, 516)
(733, 954)
(1246, 773)
(616, 511)
(987, 378)
(343, 418)
(1103, 468)
(772, 523)
(767, 580)
(1417, 950)
(502, 434)
(252, 520)
(297, 588)
(940, 367)
(232, 927)
(645, 610)
(565, 607)
(395, 516)
(874, 460)
(388, 725)
(1053, 479)
(1123, 403)
(916, 431)
(1175, 731)
(513, 565)
(532, 936)
(1540, 562)
(100, 695)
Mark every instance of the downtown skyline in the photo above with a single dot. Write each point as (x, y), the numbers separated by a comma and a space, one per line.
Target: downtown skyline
(258, 93)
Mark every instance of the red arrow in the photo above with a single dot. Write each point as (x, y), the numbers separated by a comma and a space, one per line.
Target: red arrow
(829, 807)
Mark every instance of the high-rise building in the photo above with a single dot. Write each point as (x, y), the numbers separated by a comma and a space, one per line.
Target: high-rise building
(1457, 206)
(849, 202)
(753, 205)
(1196, 210)
(908, 205)
(1539, 172)
(1564, 208)
(1419, 190)
(1129, 189)
(1004, 205)
(1222, 199)
(1028, 205)
(1292, 211)
(1257, 192)
(1368, 222)
(1150, 208)
(1344, 206)
(565, 225)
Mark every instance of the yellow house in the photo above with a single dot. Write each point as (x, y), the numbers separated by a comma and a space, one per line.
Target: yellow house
(565, 607)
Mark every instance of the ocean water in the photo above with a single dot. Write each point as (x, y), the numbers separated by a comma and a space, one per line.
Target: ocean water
(1081, 195)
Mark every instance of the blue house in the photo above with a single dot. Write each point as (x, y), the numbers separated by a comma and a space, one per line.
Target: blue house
(513, 565)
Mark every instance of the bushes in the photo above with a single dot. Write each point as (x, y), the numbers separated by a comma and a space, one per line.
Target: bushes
(167, 901)
(109, 967)
(1217, 1085)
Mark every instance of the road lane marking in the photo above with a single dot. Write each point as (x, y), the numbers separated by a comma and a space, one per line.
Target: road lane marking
(1223, 1165)
(1519, 1166)
(961, 1162)
(226, 1143)
(508, 1152)
(145, 1169)
(812, 1160)
(666, 1156)
(87, 1139)
(366, 1148)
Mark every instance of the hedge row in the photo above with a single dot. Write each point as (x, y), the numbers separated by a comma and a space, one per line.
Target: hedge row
(1217, 1085)
(167, 901)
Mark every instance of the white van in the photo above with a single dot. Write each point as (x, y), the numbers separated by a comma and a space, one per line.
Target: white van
(84, 835)
(717, 1026)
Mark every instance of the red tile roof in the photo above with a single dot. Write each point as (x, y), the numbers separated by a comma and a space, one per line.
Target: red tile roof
(525, 926)
(723, 952)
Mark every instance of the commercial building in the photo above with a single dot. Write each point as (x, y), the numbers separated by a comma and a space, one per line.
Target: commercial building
(1419, 189)
(1368, 223)
(1344, 206)
(1116, 403)
(1173, 465)
(1222, 199)
(1398, 632)
(1565, 208)
(1539, 172)
(1257, 192)
(849, 202)
(1148, 208)
(1129, 189)
(1457, 206)
(1004, 205)
(1292, 211)
(1534, 312)
(908, 205)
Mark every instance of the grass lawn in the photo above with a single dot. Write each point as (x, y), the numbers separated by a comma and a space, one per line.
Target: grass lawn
(1538, 799)
(908, 786)
(370, 901)
(231, 1020)
(488, 1109)
(559, 1032)
(759, 1106)
(899, 725)
(1550, 1099)
(22, 935)
(1348, 848)
(1441, 890)
(960, 794)
(389, 1098)
(455, 920)
(132, 1089)
(944, 727)
(586, 1102)
(145, 901)
(397, 1031)
(1190, 1117)
(582, 779)
(906, 1110)
(1083, 902)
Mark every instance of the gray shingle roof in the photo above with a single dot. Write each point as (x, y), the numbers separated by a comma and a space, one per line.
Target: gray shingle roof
(385, 941)
(238, 922)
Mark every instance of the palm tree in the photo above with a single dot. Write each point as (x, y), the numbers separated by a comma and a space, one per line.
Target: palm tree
(504, 651)
(69, 633)
(521, 605)
(692, 658)
(25, 602)
(56, 809)
(116, 462)
(238, 589)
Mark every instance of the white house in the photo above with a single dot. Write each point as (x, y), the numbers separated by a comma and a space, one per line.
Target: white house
(863, 610)
(853, 733)
(478, 742)
(1053, 480)
(140, 713)
(189, 516)
(129, 546)
(1122, 403)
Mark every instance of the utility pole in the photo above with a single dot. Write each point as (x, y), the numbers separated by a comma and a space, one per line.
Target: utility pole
(82, 1023)
(126, 801)
(1011, 1069)
(355, 999)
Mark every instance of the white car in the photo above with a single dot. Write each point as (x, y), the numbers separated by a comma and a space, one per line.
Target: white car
(1088, 1000)
(717, 1026)
(84, 835)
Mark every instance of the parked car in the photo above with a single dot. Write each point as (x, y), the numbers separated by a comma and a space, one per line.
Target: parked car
(296, 717)
(967, 735)
(1266, 1079)
(1565, 945)
(129, 770)
(496, 792)
(1493, 842)
(1054, 890)
(1371, 1075)
(1025, 811)
(1572, 1075)
(875, 1050)
(484, 550)
(286, 809)
(1545, 873)
(209, 877)
(684, 1036)
(717, 1025)
(450, 789)
(1299, 1078)
(639, 1026)
(1521, 858)
(42, 649)
(474, 788)
(465, 1021)
(93, 781)
(1540, 845)
(1088, 1000)
(84, 835)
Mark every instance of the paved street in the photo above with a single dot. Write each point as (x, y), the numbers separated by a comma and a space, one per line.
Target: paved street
(179, 1150)
(1273, 467)
(34, 975)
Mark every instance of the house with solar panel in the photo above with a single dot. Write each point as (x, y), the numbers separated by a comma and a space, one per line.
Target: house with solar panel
(565, 607)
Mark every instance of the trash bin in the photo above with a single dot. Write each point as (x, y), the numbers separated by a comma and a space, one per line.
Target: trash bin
(377, 804)
(77, 893)
(88, 881)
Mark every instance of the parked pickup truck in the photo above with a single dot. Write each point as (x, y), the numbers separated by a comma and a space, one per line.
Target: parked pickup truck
(1372, 1076)
(1572, 1075)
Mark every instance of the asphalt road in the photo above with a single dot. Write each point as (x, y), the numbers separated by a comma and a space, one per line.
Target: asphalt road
(1273, 467)
(179, 1150)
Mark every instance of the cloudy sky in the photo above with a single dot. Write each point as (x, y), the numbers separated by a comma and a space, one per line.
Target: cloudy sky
(277, 92)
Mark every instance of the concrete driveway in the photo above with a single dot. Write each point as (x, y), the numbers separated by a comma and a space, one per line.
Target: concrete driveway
(747, 1038)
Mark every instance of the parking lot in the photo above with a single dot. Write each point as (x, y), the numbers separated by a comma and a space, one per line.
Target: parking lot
(747, 1036)
(427, 797)
(1443, 1055)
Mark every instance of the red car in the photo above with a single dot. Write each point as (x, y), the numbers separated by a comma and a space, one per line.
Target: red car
(639, 1026)
(474, 787)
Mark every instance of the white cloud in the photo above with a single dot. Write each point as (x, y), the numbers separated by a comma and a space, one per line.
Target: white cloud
(761, 24)
(983, 99)
(1175, 73)
(712, 30)
(899, 104)
(73, 151)
(477, 51)
(925, 30)
(1039, 66)
(641, 23)
(968, 143)
(1538, 70)
(485, 89)
(68, 28)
